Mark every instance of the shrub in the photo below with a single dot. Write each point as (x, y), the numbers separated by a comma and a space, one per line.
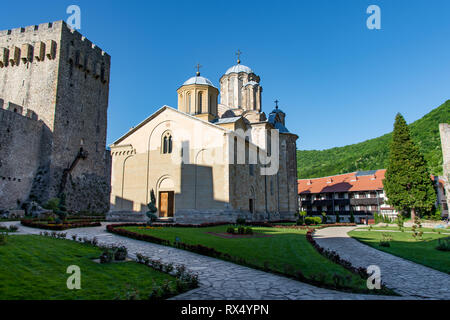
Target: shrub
(120, 253)
(386, 240)
(3, 238)
(231, 230)
(324, 217)
(352, 217)
(301, 218)
(107, 256)
(240, 221)
(313, 220)
(443, 244)
(52, 204)
(241, 230)
(248, 230)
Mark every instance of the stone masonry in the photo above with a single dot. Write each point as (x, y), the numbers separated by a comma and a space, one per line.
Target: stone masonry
(444, 129)
(54, 88)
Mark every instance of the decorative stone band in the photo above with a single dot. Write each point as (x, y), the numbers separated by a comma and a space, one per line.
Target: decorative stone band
(13, 55)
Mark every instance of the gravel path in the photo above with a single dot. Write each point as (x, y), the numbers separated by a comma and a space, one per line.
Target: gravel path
(405, 277)
(219, 280)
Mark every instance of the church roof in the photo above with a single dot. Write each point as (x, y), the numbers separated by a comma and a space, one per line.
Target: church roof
(198, 80)
(239, 68)
(226, 120)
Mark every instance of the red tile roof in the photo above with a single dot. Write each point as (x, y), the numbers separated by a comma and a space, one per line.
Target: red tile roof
(343, 183)
(346, 182)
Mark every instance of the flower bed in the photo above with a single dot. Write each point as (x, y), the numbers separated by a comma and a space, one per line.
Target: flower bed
(59, 227)
(316, 227)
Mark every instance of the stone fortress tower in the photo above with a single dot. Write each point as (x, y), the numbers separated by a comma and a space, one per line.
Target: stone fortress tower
(54, 88)
(444, 129)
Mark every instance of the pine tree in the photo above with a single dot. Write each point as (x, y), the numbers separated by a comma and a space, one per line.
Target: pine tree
(407, 183)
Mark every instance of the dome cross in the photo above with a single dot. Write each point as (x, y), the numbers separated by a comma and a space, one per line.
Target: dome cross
(238, 53)
(276, 104)
(198, 66)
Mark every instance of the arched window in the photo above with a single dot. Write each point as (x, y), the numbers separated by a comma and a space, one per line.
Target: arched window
(200, 103)
(167, 143)
(188, 102)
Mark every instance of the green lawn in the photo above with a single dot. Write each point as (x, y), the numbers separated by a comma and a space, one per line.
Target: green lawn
(446, 231)
(285, 247)
(405, 246)
(34, 268)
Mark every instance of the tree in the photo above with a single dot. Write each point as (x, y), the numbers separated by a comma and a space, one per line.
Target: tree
(407, 183)
(151, 214)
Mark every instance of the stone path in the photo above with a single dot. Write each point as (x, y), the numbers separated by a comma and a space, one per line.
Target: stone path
(405, 277)
(219, 280)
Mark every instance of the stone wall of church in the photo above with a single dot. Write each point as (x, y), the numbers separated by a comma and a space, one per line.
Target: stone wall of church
(139, 166)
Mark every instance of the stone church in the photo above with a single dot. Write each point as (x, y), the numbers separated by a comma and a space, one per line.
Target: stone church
(207, 160)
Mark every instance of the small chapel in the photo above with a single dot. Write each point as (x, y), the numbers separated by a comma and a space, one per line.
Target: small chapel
(215, 158)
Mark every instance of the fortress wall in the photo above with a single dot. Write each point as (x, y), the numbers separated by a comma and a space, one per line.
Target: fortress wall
(445, 141)
(20, 156)
(53, 73)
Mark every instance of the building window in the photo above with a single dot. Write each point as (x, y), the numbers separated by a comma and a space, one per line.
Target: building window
(167, 143)
(200, 103)
(251, 169)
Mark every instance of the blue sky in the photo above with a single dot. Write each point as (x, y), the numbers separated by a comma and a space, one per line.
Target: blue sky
(338, 82)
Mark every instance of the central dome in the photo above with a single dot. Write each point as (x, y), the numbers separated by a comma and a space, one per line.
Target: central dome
(198, 80)
(239, 68)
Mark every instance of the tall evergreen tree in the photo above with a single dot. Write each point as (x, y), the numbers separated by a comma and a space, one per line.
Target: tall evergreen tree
(407, 184)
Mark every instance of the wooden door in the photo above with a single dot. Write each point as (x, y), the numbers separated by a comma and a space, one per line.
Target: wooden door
(166, 204)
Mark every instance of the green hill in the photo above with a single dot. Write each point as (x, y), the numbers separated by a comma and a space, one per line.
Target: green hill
(373, 154)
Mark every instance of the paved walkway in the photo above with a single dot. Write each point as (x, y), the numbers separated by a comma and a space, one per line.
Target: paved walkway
(405, 277)
(219, 280)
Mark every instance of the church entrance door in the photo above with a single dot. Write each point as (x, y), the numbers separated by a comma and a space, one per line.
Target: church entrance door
(166, 204)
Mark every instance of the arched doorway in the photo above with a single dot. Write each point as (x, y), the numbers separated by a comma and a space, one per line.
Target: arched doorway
(166, 198)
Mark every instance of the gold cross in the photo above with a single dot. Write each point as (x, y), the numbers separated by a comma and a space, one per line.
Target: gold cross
(238, 53)
(198, 66)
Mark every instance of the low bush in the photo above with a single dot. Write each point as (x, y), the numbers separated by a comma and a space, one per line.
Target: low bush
(386, 240)
(248, 231)
(8, 229)
(3, 238)
(59, 227)
(231, 230)
(241, 230)
(443, 244)
(313, 220)
(120, 253)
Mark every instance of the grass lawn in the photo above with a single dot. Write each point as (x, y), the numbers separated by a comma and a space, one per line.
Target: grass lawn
(447, 231)
(34, 268)
(405, 246)
(284, 247)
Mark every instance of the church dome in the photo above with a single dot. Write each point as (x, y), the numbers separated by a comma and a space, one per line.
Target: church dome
(239, 68)
(198, 80)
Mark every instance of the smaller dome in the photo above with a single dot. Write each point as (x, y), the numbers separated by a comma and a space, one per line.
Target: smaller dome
(239, 68)
(198, 80)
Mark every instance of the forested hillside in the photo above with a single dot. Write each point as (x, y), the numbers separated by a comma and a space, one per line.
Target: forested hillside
(373, 154)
